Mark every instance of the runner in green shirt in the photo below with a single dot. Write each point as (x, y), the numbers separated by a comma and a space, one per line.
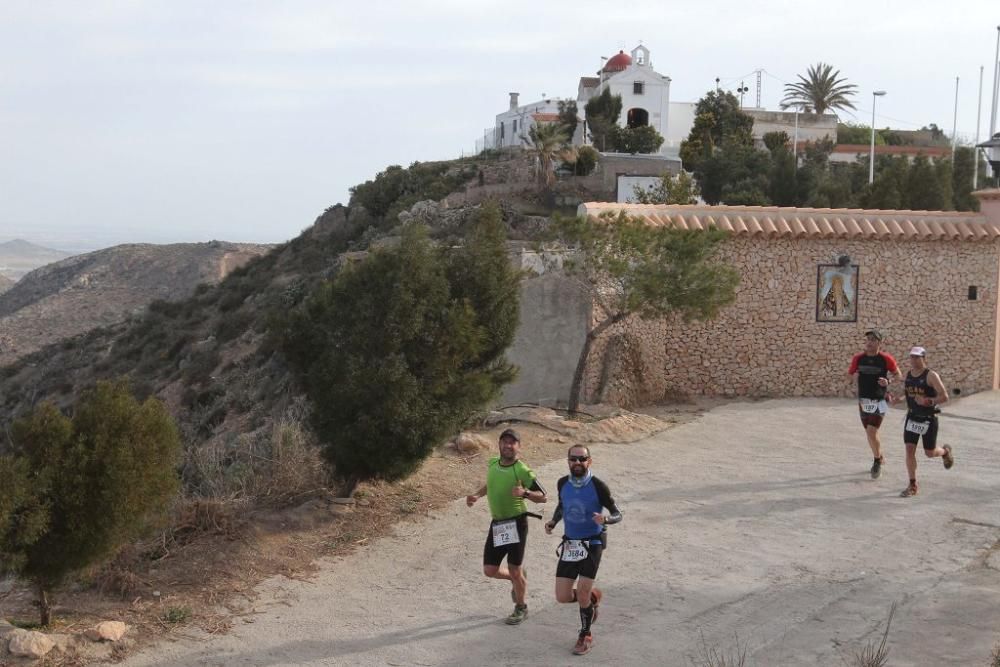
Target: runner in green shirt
(509, 482)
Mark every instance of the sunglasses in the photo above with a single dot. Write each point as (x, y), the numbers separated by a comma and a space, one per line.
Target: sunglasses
(579, 459)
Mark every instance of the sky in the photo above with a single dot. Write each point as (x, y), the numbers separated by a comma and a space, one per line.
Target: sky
(149, 121)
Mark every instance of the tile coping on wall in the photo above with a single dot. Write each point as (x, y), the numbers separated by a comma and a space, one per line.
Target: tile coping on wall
(774, 221)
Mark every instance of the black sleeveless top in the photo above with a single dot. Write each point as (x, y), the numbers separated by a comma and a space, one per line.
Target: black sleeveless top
(917, 386)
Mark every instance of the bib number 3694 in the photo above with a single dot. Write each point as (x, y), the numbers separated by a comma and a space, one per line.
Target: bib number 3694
(504, 533)
(920, 428)
(574, 551)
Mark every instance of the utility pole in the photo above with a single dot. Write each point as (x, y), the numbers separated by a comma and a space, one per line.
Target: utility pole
(954, 125)
(758, 89)
(975, 151)
(742, 90)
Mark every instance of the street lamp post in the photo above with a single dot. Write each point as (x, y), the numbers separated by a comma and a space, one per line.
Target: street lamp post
(871, 157)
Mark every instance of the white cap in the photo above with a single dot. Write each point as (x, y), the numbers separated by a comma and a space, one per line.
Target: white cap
(918, 351)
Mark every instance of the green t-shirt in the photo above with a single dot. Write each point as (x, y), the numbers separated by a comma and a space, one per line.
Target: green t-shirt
(500, 481)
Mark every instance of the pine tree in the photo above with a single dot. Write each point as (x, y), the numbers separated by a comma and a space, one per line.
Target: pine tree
(400, 349)
(97, 480)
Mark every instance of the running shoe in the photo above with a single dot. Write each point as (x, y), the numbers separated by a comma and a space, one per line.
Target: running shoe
(911, 490)
(517, 616)
(948, 458)
(583, 643)
(595, 601)
(877, 467)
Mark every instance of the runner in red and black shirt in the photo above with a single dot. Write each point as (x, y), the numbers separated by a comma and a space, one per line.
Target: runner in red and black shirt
(875, 370)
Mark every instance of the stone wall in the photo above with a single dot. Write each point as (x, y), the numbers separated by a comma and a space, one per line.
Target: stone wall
(768, 343)
(554, 314)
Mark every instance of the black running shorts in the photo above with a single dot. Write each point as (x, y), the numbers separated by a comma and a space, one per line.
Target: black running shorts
(582, 568)
(513, 552)
(930, 437)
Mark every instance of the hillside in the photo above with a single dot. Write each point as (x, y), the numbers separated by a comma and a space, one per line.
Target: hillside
(18, 257)
(75, 295)
(5, 283)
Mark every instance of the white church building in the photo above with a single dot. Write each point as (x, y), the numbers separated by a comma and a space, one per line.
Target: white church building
(645, 95)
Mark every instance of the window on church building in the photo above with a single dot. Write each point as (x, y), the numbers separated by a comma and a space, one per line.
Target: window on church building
(502, 127)
(513, 129)
(638, 88)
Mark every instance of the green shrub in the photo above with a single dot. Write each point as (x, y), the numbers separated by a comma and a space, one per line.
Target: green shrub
(586, 161)
(96, 480)
(398, 350)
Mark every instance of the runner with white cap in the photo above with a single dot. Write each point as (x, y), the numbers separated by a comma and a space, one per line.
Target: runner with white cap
(924, 392)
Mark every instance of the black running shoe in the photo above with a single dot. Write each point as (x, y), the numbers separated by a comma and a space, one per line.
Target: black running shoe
(877, 467)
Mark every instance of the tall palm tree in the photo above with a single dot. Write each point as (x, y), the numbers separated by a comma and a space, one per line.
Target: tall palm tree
(548, 141)
(820, 90)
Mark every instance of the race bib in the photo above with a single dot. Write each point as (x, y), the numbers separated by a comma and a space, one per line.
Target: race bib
(919, 428)
(505, 532)
(869, 405)
(573, 551)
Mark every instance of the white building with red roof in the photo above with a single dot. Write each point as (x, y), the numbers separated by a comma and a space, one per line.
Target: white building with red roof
(645, 97)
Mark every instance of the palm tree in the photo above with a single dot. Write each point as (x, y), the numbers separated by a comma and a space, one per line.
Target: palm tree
(819, 90)
(548, 142)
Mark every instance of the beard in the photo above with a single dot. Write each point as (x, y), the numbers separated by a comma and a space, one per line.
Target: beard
(578, 470)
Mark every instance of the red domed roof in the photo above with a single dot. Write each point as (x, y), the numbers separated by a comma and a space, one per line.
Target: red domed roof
(618, 62)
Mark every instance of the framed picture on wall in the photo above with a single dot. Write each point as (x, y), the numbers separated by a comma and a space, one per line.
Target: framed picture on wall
(837, 293)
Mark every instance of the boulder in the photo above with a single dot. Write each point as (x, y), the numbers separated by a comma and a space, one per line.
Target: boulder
(107, 631)
(470, 443)
(29, 644)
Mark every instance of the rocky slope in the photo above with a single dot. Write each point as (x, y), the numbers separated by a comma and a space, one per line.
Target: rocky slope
(75, 295)
(5, 283)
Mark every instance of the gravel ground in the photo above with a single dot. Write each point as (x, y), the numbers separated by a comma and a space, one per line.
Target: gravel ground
(756, 526)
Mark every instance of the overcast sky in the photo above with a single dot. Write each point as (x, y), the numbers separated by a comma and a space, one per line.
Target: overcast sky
(177, 120)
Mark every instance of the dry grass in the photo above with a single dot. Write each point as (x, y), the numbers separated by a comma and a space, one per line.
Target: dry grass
(263, 468)
(876, 655)
(712, 657)
(995, 656)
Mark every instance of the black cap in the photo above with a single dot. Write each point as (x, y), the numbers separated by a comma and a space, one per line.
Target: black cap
(874, 333)
(510, 433)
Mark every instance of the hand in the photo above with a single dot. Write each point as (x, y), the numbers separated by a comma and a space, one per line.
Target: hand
(924, 401)
(598, 518)
(548, 527)
(518, 491)
(471, 500)
(883, 382)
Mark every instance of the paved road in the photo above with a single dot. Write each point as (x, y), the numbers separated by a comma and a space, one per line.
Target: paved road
(757, 524)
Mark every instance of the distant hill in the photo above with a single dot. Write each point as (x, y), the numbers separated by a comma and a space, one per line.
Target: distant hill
(18, 257)
(75, 295)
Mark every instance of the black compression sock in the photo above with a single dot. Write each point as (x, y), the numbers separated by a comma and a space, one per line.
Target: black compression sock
(586, 616)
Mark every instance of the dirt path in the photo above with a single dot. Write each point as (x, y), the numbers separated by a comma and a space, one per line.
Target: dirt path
(757, 522)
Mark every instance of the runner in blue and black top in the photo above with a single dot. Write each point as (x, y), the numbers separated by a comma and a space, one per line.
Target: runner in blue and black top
(582, 501)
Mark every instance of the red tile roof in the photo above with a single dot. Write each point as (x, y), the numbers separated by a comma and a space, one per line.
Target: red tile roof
(853, 149)
(777, 222)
